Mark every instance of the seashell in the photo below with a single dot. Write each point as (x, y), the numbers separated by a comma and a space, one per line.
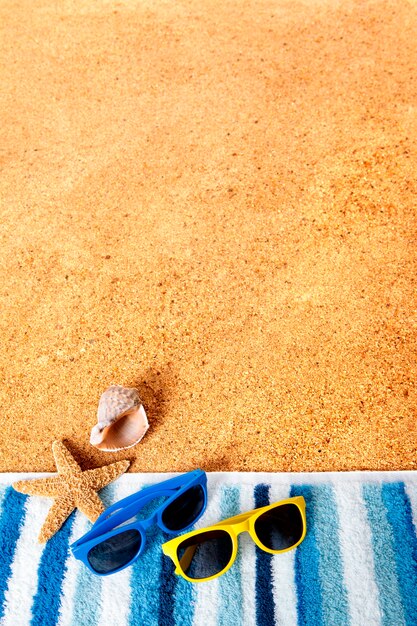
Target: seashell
(122, 420)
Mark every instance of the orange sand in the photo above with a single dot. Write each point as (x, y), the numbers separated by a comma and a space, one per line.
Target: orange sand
(214, 201)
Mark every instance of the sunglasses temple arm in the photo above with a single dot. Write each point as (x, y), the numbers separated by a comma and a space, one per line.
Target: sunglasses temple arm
(178, 481)
(126, 513)
(187, 557)
(137, 499)
(124, 509)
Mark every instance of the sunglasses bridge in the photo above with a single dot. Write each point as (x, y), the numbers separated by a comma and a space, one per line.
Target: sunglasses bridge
(240, 523)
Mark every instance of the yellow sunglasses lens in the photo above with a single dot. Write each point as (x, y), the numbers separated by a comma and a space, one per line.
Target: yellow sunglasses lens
(206, 554)
(280, 528)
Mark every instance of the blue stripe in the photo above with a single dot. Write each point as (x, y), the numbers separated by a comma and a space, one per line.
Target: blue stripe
(87, 597)
(400, 518)
(307, 560)
(168, 584)
(145, 579)
(11, 521)
(185, 596)
(335, 603)
(384, 557)
(230, 612)
(265, 608)
(50, 576)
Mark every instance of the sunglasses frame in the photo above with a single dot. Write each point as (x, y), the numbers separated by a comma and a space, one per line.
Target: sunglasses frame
(234, 526)
(111, 521)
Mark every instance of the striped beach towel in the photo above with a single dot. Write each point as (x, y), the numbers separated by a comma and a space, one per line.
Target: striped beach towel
(357, 565)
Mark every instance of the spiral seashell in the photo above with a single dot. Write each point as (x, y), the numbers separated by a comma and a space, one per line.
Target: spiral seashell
(122, 420)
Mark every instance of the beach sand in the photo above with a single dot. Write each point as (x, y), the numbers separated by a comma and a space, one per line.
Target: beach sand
(213, 201)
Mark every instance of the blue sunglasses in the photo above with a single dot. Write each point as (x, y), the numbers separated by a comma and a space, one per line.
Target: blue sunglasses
(112, 544)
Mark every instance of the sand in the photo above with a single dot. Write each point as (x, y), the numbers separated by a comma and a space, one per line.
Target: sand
(214, 201)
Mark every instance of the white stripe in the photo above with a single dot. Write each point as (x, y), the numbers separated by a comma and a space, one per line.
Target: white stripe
(23, 581)
(69, 584)
(115, 589)
(2, 494)
(248, 558)
(357, 556)
(207, 593)
(283, 573)
(411, 489)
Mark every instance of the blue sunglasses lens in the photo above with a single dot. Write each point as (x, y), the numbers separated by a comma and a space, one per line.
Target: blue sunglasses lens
(115, 552)
(185, 509)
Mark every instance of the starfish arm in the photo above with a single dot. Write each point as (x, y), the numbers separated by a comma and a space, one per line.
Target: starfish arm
(64, 461)
(50, 487)
(101, 476)
(90, 504)
(58, 513)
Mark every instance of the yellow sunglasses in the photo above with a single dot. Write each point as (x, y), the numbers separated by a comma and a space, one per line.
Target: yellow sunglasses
(207, 553)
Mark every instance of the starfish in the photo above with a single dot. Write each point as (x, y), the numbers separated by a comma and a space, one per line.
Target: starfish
(72, 488)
